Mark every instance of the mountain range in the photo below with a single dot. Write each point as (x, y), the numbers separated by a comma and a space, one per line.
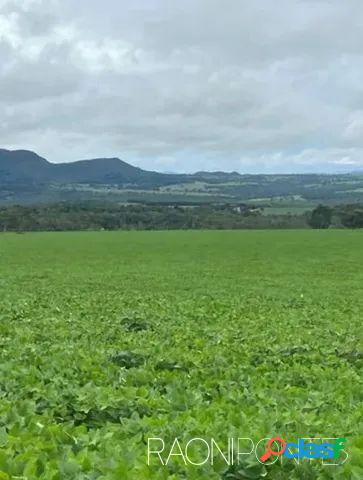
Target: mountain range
(26, 166)
(26, 177)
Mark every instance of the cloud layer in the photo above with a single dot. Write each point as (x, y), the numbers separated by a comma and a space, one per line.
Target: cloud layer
(182, 86)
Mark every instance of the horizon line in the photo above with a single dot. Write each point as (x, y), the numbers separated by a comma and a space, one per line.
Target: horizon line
(230, 172)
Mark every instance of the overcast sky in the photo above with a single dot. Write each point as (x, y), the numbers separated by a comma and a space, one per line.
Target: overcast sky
(185, 85)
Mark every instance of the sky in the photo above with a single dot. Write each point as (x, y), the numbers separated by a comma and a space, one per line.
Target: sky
(254, 86)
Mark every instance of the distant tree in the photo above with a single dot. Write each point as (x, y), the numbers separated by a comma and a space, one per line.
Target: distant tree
(321, 217)
(352, 216)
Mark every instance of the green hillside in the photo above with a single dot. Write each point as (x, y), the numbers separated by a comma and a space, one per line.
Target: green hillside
(26, 178)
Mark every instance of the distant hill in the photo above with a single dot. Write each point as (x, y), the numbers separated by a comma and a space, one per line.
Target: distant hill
(27, 178)
(22, 166)
(26, 166)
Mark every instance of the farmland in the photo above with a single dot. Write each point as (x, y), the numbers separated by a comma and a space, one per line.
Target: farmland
(109, 338)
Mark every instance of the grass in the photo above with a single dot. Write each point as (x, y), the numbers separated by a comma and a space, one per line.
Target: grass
(293, 210)
(108, 338)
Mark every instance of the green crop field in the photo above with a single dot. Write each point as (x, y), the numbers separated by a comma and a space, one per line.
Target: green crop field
(111, 338)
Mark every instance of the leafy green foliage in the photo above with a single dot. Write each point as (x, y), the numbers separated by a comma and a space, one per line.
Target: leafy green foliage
(321, 217)
(95, 216)
(110, 338)
(349, 216)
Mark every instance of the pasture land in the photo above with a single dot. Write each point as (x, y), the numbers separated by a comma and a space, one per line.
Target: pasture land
(109, 338)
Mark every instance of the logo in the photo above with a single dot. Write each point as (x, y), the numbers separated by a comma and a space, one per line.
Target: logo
(233, 451)
(300, 449)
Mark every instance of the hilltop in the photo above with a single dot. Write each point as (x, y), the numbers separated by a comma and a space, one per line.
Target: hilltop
(27, 178)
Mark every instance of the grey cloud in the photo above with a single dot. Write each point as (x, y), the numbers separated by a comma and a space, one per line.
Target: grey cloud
(195, 84)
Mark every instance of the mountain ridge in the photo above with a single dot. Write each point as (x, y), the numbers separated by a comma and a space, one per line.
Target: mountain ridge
(19, 165)
(116, 163)
(27, 178)
(27, 166)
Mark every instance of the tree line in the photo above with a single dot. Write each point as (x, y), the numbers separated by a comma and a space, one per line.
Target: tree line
(91, 216)
(94, 216)
(340, 216)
